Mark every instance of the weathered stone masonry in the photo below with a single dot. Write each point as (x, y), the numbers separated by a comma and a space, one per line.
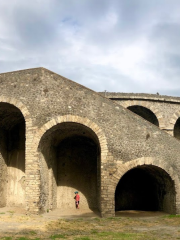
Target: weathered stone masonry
(165, 109)
(58, 136)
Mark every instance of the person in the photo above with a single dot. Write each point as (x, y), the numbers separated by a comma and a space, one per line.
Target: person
(77, 198)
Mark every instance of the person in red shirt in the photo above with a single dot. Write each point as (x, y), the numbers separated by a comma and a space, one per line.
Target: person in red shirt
(77, 198)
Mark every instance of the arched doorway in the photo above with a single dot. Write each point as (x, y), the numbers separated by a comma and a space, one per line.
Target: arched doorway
(12, 156)
(177, 129)
(146, 188)
(69, 161)
(145, 113)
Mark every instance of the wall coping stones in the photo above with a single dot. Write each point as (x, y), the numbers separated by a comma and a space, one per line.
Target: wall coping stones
(140, 96)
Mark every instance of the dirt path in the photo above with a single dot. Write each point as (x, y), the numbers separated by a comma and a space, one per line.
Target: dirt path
(15, 220)
(75, 224)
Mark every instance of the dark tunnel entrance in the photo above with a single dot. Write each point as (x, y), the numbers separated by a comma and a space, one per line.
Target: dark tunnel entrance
(145, 188)
(70, 157)
(177, 129)
(145, 113)
(12, 156)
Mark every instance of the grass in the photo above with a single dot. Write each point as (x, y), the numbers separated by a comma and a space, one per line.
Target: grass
(171, 216)
(6, 238)
(32, 232)
(57, 236)
(115, 228)
(119, 235)
(25, 238)
(82, 238)
(12, 212)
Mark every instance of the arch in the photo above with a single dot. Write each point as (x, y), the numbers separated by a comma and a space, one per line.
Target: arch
(173, 121)
(147, 105)
(29, 137)
(124, 168)
(145, 113)
(12, 154)
(21, 107)
(77, 120)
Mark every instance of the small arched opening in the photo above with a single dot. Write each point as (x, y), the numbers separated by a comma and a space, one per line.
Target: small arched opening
(145, 113)
(146, 188)
(177, 129)
(12, 156)
(69, 161)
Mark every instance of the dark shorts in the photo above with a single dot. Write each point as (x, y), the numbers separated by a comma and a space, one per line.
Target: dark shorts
(77, 202)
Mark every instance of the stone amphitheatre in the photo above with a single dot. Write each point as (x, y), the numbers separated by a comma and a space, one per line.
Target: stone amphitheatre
(120, 151)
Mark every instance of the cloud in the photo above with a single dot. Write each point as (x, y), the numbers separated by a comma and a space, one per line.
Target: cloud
(108, 45)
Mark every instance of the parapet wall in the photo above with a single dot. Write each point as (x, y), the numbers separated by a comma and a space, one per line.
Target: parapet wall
(165, 108)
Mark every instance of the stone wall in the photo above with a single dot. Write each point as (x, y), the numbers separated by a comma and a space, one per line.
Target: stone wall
(3, 167)
(57, 111)
(165, 109)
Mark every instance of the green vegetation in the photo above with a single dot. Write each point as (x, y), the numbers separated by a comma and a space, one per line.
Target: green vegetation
(115, 228)
(82, 238)
(171, 216)
(6, 238)
(57, 236)
(12, 212)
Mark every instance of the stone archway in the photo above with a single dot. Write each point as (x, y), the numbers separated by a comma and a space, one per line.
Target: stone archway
(145, 188)
(174, 125)
(133, 105)
(150, 167)
(21, 107)
(15, 123)
(83, 123)
(144, 113)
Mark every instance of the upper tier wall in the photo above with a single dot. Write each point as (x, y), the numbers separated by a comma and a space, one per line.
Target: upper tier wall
(165, 108)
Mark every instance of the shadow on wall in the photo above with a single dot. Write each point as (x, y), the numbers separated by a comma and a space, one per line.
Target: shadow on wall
(70, 160)
(177, 129)
(146, 188)
(12, 156)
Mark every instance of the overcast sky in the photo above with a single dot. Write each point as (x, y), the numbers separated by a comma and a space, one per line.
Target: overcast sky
(112, 45)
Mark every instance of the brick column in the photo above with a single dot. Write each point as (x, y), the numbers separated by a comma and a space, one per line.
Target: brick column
(32, 173)
(108, 167)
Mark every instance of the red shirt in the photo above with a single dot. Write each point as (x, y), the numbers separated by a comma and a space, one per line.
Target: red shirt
(77, 197)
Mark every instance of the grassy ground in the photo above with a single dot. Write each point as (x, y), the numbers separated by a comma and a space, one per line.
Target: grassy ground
(131, 228)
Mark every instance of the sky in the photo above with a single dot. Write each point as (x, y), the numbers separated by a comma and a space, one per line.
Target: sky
(112, 45)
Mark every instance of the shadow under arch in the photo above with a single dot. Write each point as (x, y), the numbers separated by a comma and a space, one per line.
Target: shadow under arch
(176, 130)
(174, 124)
(146, 187)
(145, 113)
(12, 155)
(69, 157)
